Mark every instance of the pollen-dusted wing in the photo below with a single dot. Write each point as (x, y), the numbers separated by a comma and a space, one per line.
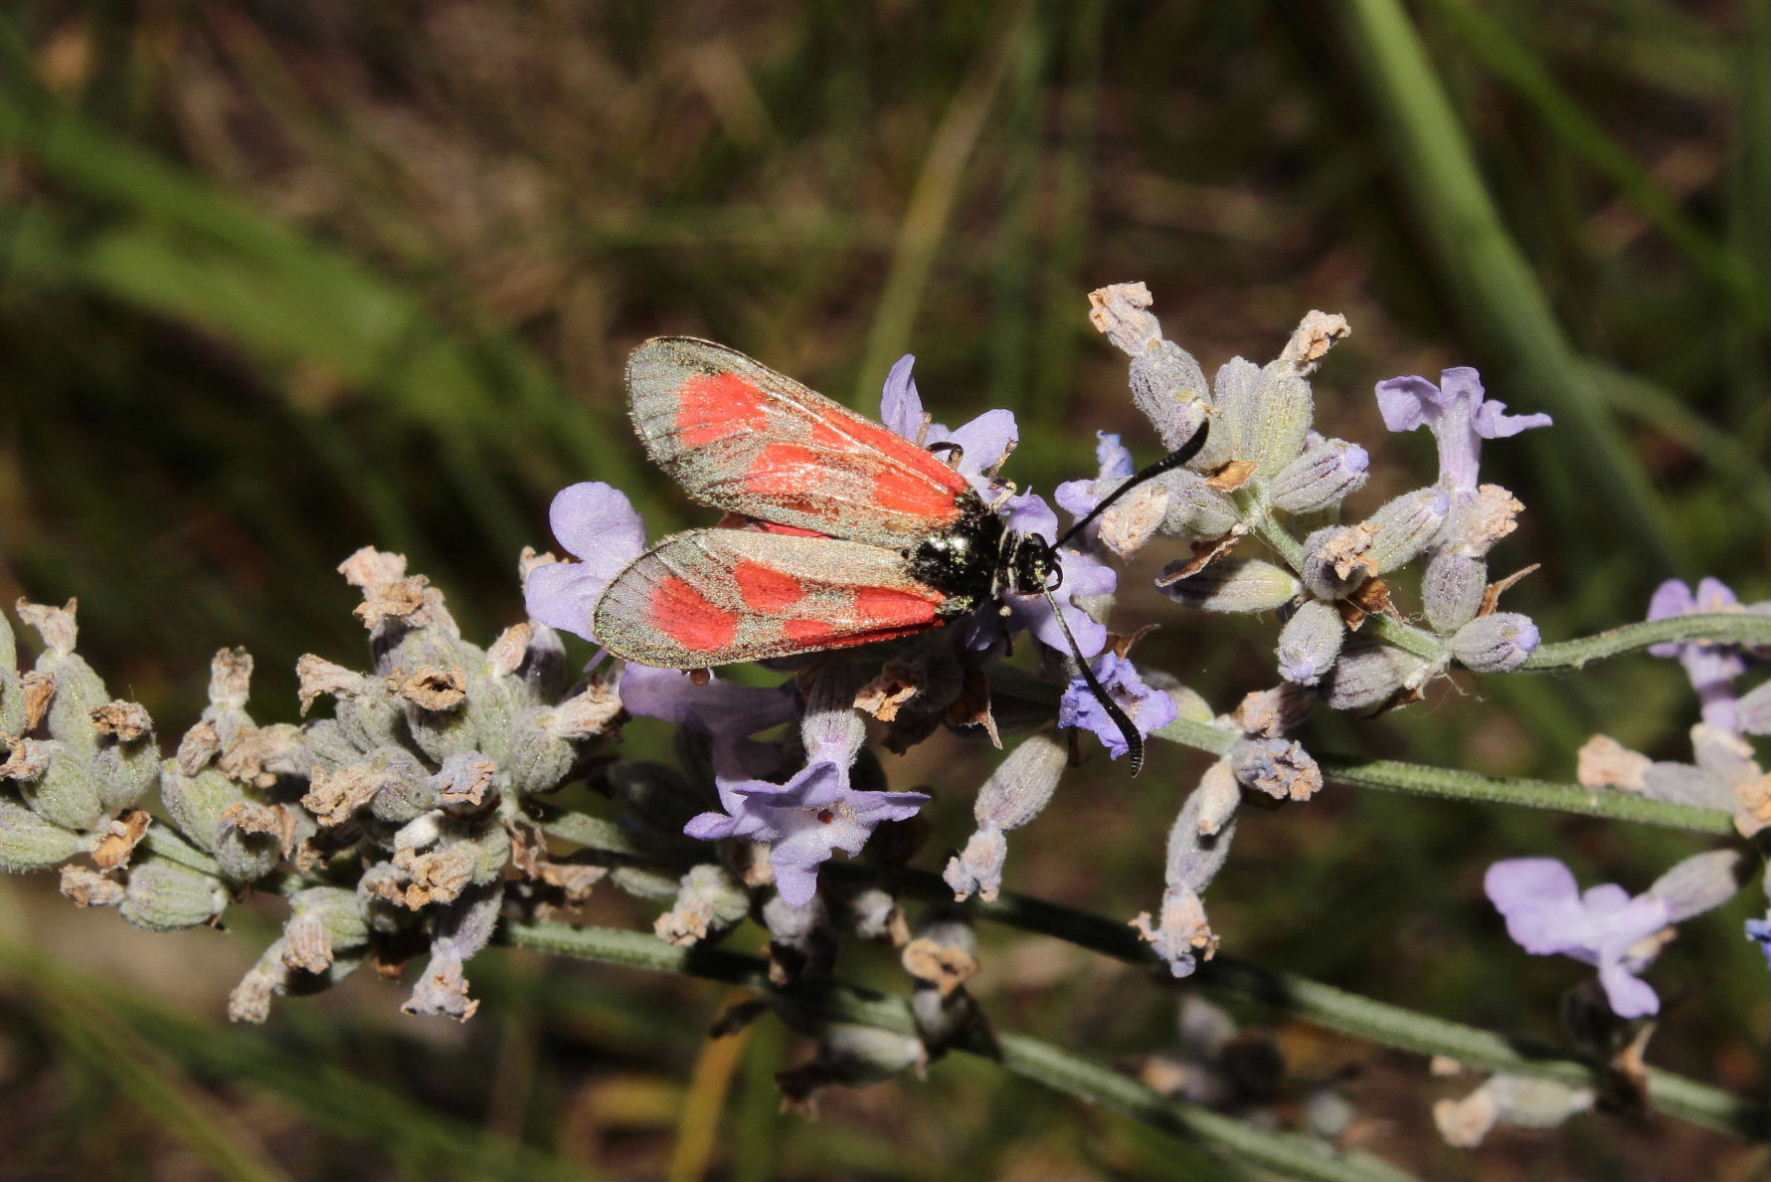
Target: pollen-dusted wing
(712, 596)
(739, 436)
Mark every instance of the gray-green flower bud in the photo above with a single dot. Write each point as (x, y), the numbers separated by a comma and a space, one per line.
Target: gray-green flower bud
(1326, 472)
(1233, 393)
(197, 802)
(539, 759)
(1310, 642)
(1754, 710)
(1452, 590)
(1368, 673)
(1701, 882)
(66, 794)
(127, 761)
(163, 896)
(1169, 387)
(1195, 509)
(1234, 585)
(1497, 643)
(1279, 422)
(1405, 526)
(28, 842)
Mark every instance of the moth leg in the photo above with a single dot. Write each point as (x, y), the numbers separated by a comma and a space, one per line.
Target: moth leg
(1006, 453)
(955, 453)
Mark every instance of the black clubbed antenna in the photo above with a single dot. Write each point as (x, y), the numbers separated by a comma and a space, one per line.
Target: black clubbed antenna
(1134, 742)
(1167, 463)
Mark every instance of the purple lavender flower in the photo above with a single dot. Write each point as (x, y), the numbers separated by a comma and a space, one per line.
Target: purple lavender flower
(986, 440)
(1458, 414)
(1759, 931)
(815, 812)
(1712, 668)
(1149, 709)
(1547, 914)
(598, 524)
(805, 820)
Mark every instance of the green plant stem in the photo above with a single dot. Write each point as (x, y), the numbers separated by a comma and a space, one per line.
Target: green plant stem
(1072, 1075)
(1422, 780)
(1312, 1001)
(1746, 628)
(1451, 784)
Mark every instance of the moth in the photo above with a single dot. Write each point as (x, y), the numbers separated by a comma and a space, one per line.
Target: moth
(839, 531)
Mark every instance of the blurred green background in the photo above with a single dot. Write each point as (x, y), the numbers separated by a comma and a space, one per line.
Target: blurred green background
(278, 280)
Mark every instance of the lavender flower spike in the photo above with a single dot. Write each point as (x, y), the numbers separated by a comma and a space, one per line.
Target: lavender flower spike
(1547, 915)
(1458, 413)
(598, 524)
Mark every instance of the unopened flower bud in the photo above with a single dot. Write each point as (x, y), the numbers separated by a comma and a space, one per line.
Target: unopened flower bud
(539, 758)
(163, 896)
(1195, 509)
(1754, 710)
(125, 768)
(1528, 1103)
(1452, 590)
(1337, 560)
(28, 842)
(197, 802)
(1323, 475)
(1219, 795)
(66, 793)
(1369, 673)
(1022, 784)
(1497, 643)
(1234, 585)
(1404, 527)
(1700, 883)
(1169, 387)
(1310, 642)
(1279, 422)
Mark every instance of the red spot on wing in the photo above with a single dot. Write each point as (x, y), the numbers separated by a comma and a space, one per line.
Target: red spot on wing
(765, 589)
(888, 607)
(713, 406)
(912, 492)
(829, 437)
(690, 618)
(782, 471)
(810, 632)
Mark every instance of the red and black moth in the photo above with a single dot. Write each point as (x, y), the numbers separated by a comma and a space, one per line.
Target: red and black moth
(840, 531)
